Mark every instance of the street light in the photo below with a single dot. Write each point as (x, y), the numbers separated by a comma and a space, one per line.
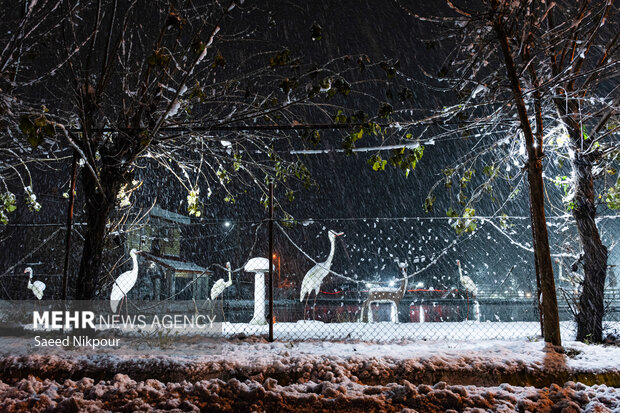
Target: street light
(275, 257)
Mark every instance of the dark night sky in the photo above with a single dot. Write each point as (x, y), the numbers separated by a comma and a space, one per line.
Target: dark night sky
(348, 187)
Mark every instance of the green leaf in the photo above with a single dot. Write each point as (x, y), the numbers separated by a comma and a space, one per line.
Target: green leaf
(462, 198)
(218, 60)
(49, 130)
(378, 164)
(280, 59)
(489, 170)
(466, 178)
(503, 222)
(385, 110)
(405, 94)
(390, 67)
(585, 134)
(35, 140)
(316, 31)
(40, 122)
(342, 86)
(26, 125)
(340, 117)
(429, 203)
(198, 46)
(289, 84)
(315, 137)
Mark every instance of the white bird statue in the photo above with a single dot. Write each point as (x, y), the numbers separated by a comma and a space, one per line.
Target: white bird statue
(220, 285)
(37, 287)
(314, 277)
(467, 282)
(124, 283)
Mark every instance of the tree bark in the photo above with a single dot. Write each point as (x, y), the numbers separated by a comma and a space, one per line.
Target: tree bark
(591, 307)
(538, 295)
(568, 102)
(98, 209)
(591, 301)
(539, 155)
(551, 319)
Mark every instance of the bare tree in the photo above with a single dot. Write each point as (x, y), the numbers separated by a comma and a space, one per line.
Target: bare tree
(560, 78)
(488, 70)
(579, 42)
(185, 87)
(25, 27)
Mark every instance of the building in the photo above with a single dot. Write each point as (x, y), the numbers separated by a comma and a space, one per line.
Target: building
(167, 276)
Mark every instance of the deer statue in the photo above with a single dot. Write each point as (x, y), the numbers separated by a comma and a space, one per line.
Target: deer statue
(391, 295)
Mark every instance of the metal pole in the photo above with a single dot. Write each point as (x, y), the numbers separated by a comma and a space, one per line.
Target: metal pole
(65, 274)
(271, 261)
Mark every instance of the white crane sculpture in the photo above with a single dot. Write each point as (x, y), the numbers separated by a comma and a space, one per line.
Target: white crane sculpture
(470, 287)
(217, 290)
(124, 283)
(36, 287)
(220, 285)
(390, 295)
(314, 277)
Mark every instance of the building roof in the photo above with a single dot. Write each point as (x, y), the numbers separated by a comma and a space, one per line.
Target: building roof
(157, 212)
(176, 265)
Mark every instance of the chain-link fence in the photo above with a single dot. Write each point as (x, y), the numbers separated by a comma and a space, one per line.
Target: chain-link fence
(380, 279)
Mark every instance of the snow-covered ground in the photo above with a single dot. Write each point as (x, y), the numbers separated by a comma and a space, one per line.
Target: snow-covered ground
(254, 375)
(386, 331)
(124, 394)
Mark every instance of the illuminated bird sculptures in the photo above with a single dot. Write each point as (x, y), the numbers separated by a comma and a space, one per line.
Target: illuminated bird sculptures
(467, 282)
(220, 285)
(390, 295)
(218, 288)
(124, 283)
(470, 288)
(313, 278)
(36, 287)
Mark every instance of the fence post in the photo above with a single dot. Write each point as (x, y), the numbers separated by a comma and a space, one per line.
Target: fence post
(271, 261)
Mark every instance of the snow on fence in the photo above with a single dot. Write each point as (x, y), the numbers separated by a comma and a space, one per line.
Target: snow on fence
(379, 279)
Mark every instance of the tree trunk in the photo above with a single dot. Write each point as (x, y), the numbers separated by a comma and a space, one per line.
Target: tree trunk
(568, 102)
(551, 319)
(98, 209)
(591, 302)
(538, 296)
